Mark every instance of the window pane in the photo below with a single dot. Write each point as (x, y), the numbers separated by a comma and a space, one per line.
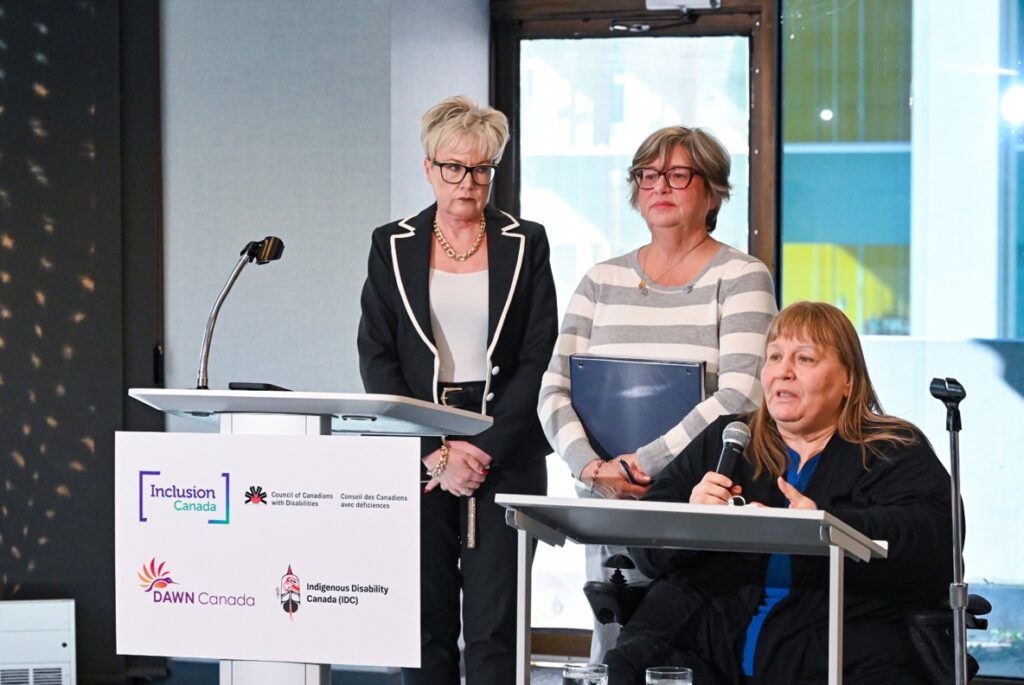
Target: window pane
(586, 106)
(900, 205)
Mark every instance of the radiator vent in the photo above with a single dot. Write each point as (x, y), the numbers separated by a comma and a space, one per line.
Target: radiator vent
(47, 676)
(37, 642)
(14, 676)
(31, 676)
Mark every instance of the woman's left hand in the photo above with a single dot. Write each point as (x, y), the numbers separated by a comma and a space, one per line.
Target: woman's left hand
(796, 499)
(466, 470)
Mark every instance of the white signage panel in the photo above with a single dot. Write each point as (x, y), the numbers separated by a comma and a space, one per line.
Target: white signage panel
(268, 547)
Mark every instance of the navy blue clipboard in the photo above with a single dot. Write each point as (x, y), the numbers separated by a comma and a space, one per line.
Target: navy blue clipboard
(626, 403)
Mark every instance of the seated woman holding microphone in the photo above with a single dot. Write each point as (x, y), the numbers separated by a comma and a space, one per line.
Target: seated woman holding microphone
(820, 440)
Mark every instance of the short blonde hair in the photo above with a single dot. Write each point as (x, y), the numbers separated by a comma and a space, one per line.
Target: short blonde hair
(706, 152)
(457, 118)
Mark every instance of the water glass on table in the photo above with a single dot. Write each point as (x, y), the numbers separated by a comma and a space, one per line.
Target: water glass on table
(584, 674)
(669, 675)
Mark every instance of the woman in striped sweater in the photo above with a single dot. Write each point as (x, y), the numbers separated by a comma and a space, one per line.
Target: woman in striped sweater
(683, 296)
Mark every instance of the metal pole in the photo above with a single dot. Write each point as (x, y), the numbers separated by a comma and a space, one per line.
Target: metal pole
(836, 561)
(950, 392)
(523, 606)
(958, 589)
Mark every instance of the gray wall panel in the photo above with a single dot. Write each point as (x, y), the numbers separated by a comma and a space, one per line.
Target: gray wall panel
(299, 120)
(439, 48)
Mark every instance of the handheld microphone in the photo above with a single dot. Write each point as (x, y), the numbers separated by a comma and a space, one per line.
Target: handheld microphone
(734, 440)
(259, 251)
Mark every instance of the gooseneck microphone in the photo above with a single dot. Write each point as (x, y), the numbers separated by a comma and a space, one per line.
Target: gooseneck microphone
(734, 440)
(261, 252)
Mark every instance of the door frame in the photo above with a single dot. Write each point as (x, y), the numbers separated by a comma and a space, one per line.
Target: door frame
(515, 20)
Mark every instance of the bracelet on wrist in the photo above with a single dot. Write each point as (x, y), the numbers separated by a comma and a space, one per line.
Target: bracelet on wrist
(442, 463)
(597, 470)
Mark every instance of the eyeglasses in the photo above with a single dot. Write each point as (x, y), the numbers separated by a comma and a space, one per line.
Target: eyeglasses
(453, 172)
(677, 177)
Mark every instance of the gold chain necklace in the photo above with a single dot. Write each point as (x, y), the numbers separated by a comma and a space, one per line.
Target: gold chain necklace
(643, 272)
(450, 251)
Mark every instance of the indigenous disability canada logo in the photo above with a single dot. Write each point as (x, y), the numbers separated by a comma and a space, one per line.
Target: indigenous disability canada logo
(255, 495)
(155, 577)
(290, 593)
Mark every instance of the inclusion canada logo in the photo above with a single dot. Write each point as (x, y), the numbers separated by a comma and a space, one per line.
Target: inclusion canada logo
(161, 495)
(255, 495)
(290, 593)
(155, 577)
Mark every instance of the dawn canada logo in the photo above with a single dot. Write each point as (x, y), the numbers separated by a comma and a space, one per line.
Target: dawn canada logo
(155, 577)
(290, 593)
(155, 580)
(255, 495)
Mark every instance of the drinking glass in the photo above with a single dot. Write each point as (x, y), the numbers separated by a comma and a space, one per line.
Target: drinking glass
(584, 674)
(669, 675)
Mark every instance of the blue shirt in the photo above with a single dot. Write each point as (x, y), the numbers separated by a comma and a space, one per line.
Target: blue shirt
(778, 578)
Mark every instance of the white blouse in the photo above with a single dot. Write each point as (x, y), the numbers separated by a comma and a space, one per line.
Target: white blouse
(458, 314)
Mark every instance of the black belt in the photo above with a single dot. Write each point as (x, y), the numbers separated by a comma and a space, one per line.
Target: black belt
(468, 395)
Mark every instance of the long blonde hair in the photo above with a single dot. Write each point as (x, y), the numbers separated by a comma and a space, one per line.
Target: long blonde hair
(861, 418)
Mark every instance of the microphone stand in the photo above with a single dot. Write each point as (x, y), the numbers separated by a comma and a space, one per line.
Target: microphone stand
(261, 252)
(950, 392)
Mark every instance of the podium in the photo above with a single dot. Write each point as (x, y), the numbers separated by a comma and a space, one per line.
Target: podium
(293, 425)
(313, 413)
(685, 526)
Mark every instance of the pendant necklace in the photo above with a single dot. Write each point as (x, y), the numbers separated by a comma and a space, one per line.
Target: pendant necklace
(643, 272)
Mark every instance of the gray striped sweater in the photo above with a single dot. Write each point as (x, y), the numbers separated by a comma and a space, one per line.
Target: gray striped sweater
(720, 318)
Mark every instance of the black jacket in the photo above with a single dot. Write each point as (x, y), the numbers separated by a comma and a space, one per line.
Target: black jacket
(397, 349)
(904, 499)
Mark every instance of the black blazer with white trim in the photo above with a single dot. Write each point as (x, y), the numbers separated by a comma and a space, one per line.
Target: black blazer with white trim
(397, 349)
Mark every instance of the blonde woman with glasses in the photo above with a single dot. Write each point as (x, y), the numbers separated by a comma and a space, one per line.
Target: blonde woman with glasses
(459, 309)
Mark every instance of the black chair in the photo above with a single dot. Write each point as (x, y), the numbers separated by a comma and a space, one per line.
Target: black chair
(931, 630)
(931, 633)
(614, 600)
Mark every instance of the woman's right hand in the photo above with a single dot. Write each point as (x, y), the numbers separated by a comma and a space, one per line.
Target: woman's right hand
(465, 472)
(607, 479)
(714, 488)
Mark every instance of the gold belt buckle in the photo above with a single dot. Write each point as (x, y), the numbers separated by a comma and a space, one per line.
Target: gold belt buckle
(444, 394)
